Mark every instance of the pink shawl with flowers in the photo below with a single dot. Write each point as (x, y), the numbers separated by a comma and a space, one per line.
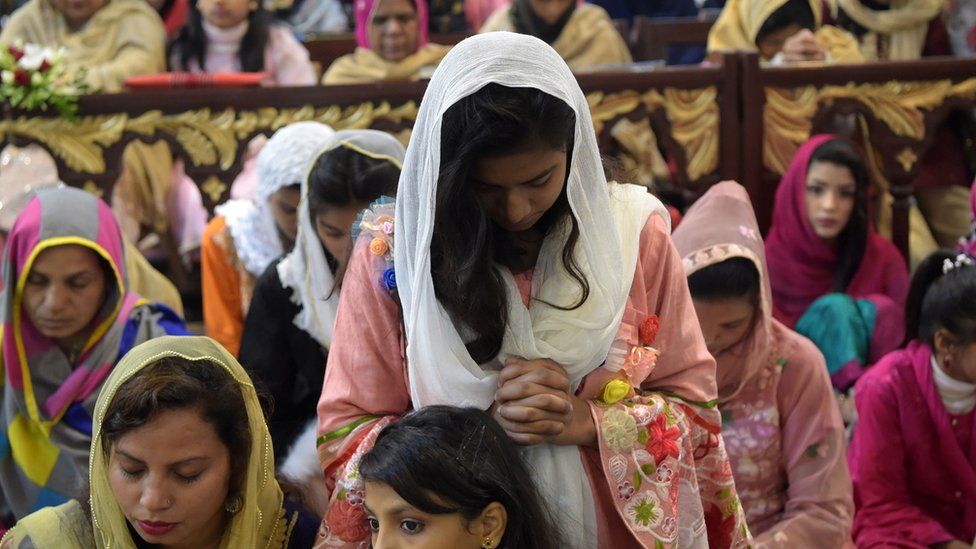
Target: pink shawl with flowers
(802, 265)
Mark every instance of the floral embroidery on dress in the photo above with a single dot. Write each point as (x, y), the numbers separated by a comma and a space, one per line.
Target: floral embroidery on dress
(662, 458)
(345, 521)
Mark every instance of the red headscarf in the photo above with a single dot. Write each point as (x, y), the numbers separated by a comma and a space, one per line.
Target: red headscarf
(802, 265)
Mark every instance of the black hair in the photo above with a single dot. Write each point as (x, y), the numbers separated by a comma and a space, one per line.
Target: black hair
(191, 42)
(445, 460)
(467, 246)
(852, 241)
(938, 300)
(733, 278)
(176, 383)
(792, 12)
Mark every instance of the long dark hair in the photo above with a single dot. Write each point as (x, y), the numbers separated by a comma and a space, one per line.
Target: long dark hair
(175, 383)
(793, 11)
(467, 245)
(445, 460)
(191, 42)
(939, 300)
(342, 177)
(853, 239)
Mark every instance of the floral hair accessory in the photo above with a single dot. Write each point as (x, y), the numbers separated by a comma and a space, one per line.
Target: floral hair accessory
(962, 260)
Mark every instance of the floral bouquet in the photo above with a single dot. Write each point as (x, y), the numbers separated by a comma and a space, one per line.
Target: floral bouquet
(33, 77)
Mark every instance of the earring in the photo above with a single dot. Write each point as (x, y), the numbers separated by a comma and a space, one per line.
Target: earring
(235, 505)
(487, 543)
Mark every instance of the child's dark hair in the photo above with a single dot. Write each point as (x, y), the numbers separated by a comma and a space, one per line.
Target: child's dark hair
(941, 301)
(733, 278)
(191, 42)
(342, 177)
(853, 239)
(792, 12)
(445, 460)
(467, 245)
(175, 383)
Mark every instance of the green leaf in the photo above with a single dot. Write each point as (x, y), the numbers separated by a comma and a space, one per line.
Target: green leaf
(643, 436)
(648, 469)
(637, 480)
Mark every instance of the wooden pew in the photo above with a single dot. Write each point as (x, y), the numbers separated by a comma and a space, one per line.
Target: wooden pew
(650, 37)
(676, 110)
(892, 108)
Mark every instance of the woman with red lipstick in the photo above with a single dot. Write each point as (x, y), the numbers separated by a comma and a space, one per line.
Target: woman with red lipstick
(834, 279)
(181, 457)
(69, 317)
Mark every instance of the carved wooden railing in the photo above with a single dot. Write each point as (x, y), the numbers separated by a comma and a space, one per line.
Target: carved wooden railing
(677, 111)
(892, 108)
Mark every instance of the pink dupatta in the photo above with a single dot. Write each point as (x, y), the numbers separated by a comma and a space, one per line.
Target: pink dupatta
(802, 265)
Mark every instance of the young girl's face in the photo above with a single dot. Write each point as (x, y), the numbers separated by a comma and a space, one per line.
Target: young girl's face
(284, 207)
(959, 361)
(830, 197)
(333, 225)
(517, 189)
(725, 322)
(772, 43)
(226, 14)
(396, 524)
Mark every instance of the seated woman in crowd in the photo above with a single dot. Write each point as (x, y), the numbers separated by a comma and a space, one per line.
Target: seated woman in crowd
(181, 457)
(834, 279)
(248, 235)
(502, 235)
(911, 457)
(461, 480)
(238, 36)
(111, 39)
(289, 326)
(782, 31)
(391, 39)
(780, 422)
(582, 34)
(69, 317)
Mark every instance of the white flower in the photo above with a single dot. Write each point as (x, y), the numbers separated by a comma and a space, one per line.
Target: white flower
(619, 430)
(7, 77)
(37, 79)
(35, 56)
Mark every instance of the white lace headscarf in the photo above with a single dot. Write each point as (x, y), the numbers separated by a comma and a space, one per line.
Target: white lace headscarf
(305, 270)
(282, 162)
(610, 218)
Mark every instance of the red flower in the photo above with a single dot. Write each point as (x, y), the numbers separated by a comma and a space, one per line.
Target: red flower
(347, 521)
(17, 54)
(45, 66)
(22, 78)
(720, 529)
(648, 330)
(663, 440)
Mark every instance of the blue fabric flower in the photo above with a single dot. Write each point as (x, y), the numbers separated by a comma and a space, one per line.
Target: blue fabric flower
(389, 279)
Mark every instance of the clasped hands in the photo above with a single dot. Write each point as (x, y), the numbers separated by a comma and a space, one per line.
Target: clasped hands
(535, 404)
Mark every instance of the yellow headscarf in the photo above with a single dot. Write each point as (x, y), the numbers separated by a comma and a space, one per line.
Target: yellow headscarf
(905, 23)
(260, 523)
(740, 21)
